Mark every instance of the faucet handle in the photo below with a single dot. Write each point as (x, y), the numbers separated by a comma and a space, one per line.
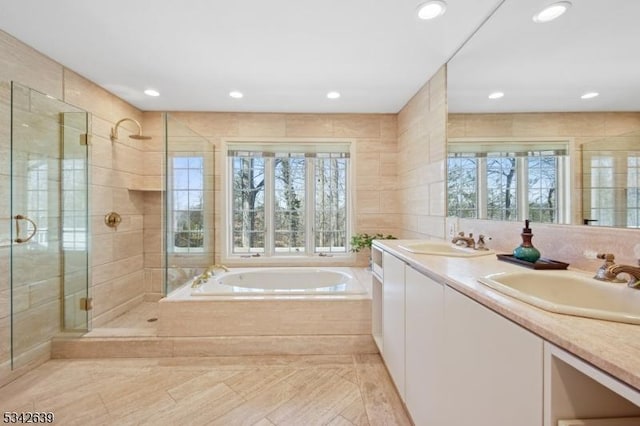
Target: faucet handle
(603, 273)
(608, 257)
(481, 244)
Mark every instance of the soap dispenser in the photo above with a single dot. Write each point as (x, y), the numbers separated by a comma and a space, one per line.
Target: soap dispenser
(526, 250)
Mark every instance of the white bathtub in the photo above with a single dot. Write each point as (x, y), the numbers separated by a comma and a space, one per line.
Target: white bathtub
(301, 281)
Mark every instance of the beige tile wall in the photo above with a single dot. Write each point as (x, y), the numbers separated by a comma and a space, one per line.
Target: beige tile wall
(117, 256)
(562, 242)
(421, 160)
(375, 137)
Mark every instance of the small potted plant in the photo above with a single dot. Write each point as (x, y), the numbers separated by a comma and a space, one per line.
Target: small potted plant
(363, 240)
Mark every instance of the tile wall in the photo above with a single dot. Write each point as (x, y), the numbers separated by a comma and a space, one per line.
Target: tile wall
(421, 160)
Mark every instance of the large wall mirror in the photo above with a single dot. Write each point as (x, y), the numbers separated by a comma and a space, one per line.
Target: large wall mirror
(548, 148)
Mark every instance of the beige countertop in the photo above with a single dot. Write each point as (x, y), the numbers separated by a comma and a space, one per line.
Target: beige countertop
(610, 346)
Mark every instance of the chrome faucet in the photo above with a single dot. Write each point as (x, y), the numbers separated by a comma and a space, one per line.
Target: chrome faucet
(461, 240)
(632, 271)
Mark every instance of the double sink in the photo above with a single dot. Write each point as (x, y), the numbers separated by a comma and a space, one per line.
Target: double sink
(563, 291)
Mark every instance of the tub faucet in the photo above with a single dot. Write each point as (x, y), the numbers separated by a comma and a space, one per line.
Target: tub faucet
(197, 281)
(632, 271)
(461, 240)
(208, 273)
(211, 270)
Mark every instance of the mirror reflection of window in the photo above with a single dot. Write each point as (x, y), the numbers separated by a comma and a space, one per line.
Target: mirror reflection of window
(507, 181)
(38, 197)
(74, 205)
(602, 190)
(633, 191)
(462, 186)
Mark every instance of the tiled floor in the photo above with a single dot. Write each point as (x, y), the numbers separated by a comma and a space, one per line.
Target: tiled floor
(292, 390)
(135, 322)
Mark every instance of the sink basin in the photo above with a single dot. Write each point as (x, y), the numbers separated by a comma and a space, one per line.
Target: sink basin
(571, 293)
(441, 248)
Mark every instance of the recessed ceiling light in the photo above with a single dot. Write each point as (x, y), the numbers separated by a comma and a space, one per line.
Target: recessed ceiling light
(333, 95)
(431, 9)
(235, 94)
(151, 92)
(551, 12)
(589, 95)
(496, 95)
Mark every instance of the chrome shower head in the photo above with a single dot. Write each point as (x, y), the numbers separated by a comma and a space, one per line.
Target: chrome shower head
(139, 136)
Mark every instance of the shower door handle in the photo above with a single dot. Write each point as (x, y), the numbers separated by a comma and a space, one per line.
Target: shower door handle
(18, 218)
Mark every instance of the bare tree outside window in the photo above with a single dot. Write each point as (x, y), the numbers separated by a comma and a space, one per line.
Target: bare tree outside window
(187, 199)
(248, 204)
(543, 184)
(483, 181)
(296, 179)
(289, 206)
(501, 188)
(331, 205)
(462, 187)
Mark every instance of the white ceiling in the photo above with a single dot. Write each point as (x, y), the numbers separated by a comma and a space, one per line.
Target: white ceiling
(547, 67)
(284, 55)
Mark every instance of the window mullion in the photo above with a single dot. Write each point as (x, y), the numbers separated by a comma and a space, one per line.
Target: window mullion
(481, 181)
(522, 188)
(269, 194)
(310, 197)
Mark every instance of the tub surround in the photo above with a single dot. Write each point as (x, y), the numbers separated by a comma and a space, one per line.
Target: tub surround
(611, 347)
(185, 315)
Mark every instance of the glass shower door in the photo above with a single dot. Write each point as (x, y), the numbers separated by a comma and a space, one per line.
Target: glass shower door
(49, 211)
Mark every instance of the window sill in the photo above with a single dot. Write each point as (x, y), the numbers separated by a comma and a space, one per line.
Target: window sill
(335, 260)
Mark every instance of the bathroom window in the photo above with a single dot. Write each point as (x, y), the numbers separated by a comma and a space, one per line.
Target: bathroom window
(507, 180)
(288, 199)
(186, 198)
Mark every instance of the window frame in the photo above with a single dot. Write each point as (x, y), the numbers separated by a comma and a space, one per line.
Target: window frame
(269, 255)
(171, 234)
(521, 189)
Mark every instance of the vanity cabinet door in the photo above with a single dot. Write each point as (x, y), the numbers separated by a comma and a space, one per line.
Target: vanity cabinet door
(424, 348)
(393, 318)
(493, 367)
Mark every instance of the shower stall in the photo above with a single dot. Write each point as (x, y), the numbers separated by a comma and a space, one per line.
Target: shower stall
(48, 240)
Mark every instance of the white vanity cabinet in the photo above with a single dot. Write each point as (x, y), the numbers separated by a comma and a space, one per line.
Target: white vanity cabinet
(413, 334)
(493, 367)
(424, 335)
(393, 297)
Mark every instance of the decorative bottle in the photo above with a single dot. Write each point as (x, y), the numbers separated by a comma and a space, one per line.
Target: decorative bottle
(526, 250)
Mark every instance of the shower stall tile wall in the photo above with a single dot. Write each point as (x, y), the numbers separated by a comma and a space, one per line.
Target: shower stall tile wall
(114, 168)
